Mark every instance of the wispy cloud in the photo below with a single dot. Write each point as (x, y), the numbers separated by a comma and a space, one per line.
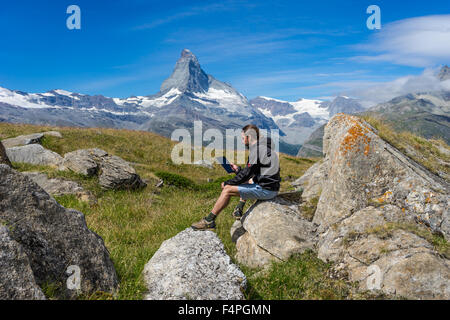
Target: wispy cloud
(187, 12)
(225, 44)
(418, 42)
(373, 92)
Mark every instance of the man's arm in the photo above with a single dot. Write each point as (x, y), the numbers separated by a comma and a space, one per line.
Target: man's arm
(242, 176)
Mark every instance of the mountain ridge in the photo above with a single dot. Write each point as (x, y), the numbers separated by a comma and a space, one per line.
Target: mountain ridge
(187, 95)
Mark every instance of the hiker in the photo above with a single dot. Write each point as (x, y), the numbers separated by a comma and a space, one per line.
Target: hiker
(262, 167)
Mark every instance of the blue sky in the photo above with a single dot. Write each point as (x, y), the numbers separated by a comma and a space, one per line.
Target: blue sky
(281, 49)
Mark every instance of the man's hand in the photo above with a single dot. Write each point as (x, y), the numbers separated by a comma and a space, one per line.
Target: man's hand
(222, 185)
(234, 167)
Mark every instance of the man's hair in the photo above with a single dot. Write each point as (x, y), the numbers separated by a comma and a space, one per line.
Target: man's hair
(251, 130)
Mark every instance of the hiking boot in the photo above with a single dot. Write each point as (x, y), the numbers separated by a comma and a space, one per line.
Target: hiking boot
(204, 225)
(237, 214)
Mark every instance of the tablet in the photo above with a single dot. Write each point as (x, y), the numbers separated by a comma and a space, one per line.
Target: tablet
(225, 164)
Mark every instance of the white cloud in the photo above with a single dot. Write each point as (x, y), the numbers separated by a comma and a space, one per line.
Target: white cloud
(372, 93)
(418, 42)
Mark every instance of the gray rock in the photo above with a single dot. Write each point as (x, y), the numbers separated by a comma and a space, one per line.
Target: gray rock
(55, 187)
(116, 174)
(84, 161)
(236, 230)
(204, 163)
(29, 139)
(275, 231)
(371, 198)
(34, 154)
(16, 277)
(23, 140)
(362, 169)
(3, 157)
(56, 134)
(193, 265)
(53, 237)
(251, 255)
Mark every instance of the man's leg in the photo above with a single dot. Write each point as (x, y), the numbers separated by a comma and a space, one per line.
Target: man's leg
(208, 223)
(224, 199)
(238, 211)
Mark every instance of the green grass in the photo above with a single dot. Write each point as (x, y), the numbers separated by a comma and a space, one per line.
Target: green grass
(427, 152)
(438, 242)
(134, 224)
(309, 208)
(303, 276)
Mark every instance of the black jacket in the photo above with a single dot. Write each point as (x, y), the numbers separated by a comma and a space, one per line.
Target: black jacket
(263, 166)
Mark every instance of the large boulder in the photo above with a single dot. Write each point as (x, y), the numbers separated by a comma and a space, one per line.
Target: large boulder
(16, 276)
(116, 173)
(29, 139)
(84, 161)
(53, 237)
(363, 169)
(54, 186)
(378, 212)
(3, 156)
(275, 230)
(193, 265)
(113, 171)
(23, 140)
(34, 154)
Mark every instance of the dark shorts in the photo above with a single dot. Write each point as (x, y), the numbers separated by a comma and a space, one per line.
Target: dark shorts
(255, 191)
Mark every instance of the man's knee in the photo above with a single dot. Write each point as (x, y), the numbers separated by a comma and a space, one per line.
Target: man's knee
(228, 190)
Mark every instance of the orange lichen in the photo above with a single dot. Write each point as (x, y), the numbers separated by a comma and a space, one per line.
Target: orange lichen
(384, 197)
(356, 134)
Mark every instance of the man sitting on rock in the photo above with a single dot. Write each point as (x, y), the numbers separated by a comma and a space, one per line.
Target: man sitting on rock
(262, 167)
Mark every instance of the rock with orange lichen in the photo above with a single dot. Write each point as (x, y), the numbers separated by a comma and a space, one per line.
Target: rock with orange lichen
(375, 206)
(363, 169)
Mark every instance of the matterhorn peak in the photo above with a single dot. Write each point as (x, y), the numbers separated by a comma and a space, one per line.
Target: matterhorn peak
(187, 75)
(444, 74)
(187, 53)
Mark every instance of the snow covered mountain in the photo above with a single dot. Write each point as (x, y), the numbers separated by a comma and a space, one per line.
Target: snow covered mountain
(300, 118)
(189, 94)
(444, 73)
